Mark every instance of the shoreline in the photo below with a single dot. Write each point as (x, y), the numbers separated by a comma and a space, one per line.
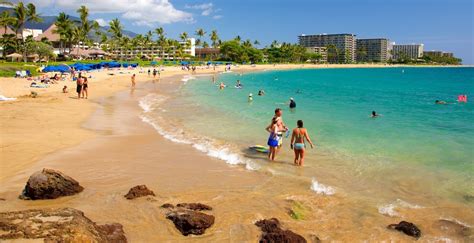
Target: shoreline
(83, 137)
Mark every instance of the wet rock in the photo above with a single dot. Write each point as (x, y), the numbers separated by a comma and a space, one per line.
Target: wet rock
(190, 222)
(468, 198)
(139, 191)
(2, 199)
(57, 225)
(167, 205)
(407, 228)
(273, 233)
(194, 206)
(50, 184)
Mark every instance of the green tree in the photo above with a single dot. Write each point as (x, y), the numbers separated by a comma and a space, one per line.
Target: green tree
(22, 15)
(116, 30)
(6, 20)
(64, 27)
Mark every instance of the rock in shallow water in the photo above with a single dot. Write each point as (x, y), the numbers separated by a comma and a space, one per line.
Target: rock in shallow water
(139, 191)
(191, 222)
(273, 233)
(407, 228)
(186, 218)
(50, 184)
(60, 225)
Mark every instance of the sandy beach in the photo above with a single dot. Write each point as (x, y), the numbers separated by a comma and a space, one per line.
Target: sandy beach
(103, 144)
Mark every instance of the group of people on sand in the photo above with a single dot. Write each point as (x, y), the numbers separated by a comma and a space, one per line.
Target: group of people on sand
(299, 136)
(155, 72)
(82, 87)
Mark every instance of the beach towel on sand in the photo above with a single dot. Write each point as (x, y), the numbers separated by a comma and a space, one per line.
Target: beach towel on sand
(3, 98)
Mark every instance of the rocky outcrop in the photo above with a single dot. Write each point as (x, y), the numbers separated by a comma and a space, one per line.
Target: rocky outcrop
(407, 228)
(139, 191)
(271, 232)
(50, 184)
(187, 218)
(60, 225)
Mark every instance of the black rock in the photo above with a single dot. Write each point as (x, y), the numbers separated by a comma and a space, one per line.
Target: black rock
(407, 228)
(50, 184)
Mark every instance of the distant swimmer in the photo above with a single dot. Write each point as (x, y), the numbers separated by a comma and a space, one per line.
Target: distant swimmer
(238, 85)
(250, 97)
(261, 92)
(222, 86)
(462, 98)
(375, 115)
(440, 102)
(299, 91)
(292, 103)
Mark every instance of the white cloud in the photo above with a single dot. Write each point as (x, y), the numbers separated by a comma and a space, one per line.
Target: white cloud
(102, 22)
(217, 17)
(141, 12)
(206, 8)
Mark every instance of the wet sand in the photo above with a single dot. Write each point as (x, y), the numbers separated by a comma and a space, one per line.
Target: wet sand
(114, 150)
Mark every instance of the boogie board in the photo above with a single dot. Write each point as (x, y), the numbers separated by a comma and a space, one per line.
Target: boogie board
(259, 148)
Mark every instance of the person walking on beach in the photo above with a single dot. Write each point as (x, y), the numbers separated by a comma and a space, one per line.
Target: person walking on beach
(85, 87)
(273, 139)
(79, 86)
(281, 127)
(133, 81)
(298, 142)
(149, 72)
(154, 73)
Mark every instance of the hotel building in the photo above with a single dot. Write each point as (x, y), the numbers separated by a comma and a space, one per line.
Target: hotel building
(319, 50)
(411, 51)
(340, 47)
(372, 50)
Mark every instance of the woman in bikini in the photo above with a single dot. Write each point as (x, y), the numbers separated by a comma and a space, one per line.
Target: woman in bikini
(85, 87)
(297, 142)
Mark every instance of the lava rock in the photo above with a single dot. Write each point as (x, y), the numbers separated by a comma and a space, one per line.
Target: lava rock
(139, 191)
(191, 222)
(194, 206)
(273, 233)
(407, 228)
(50, 184)
(167, 205)
(57, 225)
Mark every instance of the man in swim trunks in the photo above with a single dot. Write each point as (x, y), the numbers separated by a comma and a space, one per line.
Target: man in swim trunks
(281, 127)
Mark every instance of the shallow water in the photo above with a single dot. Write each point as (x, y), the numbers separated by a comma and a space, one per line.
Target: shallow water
(417, 153)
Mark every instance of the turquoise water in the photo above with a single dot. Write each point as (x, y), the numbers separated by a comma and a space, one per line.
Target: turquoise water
(335, 105)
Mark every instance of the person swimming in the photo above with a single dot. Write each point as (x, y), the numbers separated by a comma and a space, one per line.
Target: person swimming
(292, 103)
(238, 84)
(250, 97)
(222, 86)
(440, 102)
(375, 115)
(261, 92)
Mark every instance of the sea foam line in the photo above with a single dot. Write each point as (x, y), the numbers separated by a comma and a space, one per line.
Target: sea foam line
(390, 209)
(151, 102)
(321, 189)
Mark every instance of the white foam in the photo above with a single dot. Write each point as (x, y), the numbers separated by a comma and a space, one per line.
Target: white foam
(186, 78)
(388, 210)
(151, 102)
(457, 222)
(321, 189)
(391, 208)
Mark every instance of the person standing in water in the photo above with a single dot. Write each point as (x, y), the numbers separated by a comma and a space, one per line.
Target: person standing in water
(250, 99)
(273, 139)
(292, 103)
(298, 142)
(133, 81)
(281, 127)
(222, 86)
(375, 115)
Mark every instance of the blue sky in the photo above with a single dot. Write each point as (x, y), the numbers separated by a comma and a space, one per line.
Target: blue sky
(439, 24)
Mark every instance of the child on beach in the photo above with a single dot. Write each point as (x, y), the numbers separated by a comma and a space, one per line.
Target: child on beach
(65, 89)
(297, 142)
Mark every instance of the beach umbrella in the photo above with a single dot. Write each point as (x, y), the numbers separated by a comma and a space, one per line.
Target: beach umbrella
(49, 69)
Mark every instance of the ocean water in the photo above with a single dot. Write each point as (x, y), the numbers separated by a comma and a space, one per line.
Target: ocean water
(416, 151)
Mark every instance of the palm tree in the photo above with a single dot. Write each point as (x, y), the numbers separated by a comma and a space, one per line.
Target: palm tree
(214, 38)
(63, 28)
(256, 43)
(238, 38)
(205, 44)
(6, 20)
(333, 53)
(22, 15)
(116, 31)
(247, 43)
(8, 3)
